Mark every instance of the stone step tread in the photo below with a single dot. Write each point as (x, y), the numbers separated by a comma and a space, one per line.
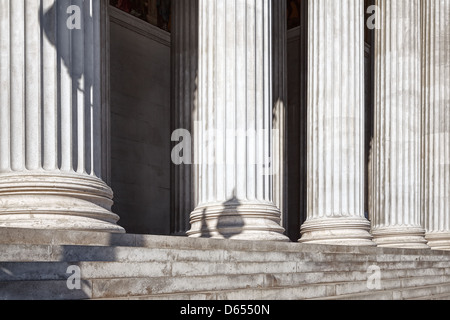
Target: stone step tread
(406, 293)
(33, 253)
(442, 296)
(91, 270)
(42, 272)
(79, 238)
(108, 288)
(262, 294)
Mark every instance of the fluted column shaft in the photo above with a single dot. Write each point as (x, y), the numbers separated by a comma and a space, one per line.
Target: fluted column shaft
(335, 124)
(396, 154)
(436, 122)
(51, 104)
(280, 100)
(234, 142)
(184, 106)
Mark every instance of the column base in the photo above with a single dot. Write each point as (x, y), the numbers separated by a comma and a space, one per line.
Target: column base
(438, 240)
(401, 238)
(237, 221)
(337, 231)
(56, 201)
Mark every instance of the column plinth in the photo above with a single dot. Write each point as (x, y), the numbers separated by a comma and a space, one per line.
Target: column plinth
(238, 220)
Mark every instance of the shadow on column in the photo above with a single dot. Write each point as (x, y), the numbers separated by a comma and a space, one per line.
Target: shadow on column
(297, 118)
(184, 95)
(72, 64)
(230, 223)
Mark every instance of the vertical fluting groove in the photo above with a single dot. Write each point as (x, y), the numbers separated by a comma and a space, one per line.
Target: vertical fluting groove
(447, 117)
(32, 85)
(98, 88)
(220, 103)
(251, 102)
(312, 187)
(79, 87)
(435, 121)
(267, 112)
(203, 81)
(17, 62)
(190, 183)
(397, 173)
(89, 82)
(65, 80)
(202, 78)
(335, 124)
(239, 85)
(360, 113)
(49, 80)
(5, 87)
(191, 188)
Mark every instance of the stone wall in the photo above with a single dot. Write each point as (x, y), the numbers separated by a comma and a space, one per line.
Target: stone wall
(140, 124)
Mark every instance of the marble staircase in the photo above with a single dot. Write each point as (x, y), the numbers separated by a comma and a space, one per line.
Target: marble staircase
(34, 264)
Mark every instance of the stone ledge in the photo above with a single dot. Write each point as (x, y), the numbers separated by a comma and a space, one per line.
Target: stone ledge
(85, 238)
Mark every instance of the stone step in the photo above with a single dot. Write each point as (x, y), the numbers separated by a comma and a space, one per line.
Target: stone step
(145, 286)
(423, 292)
(442, 296)
(312, 292)
(144, 267)
(18, 271)
(14, 271)
(44, 290)
(61, 238)
(49, 253)
(430, 290)
(394, 285)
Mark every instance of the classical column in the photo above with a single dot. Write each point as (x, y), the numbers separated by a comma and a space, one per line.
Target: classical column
(51, 108)
(233, 142)
(280, 107)
(336, 125)
(396, 153)
(436, 122)
(184, 108)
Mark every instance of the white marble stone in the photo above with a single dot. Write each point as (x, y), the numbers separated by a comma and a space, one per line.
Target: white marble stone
(51, 106)
(436, 122)
(235, 94)
(335, 125)
(396, 181)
